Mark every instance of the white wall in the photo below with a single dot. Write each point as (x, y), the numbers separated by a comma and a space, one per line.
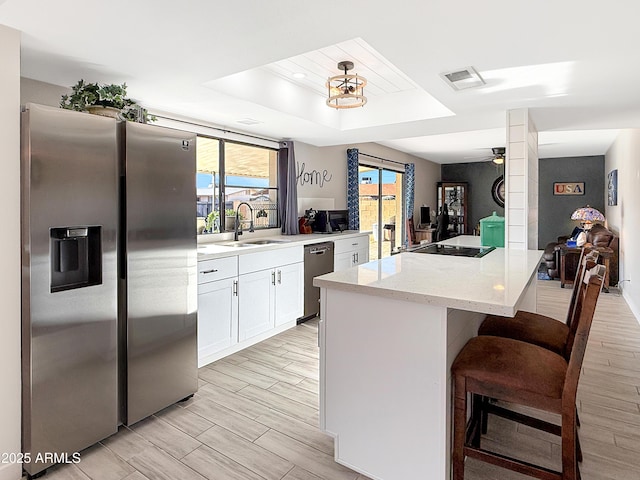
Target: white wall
(624, 218)
(35, 91)
(333, 160)
(10, 249)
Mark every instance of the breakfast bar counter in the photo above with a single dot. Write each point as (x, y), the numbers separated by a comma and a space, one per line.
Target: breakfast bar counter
(389, 332)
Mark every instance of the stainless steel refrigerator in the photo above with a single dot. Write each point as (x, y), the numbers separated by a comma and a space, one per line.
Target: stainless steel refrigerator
(158, 294)
(108, 277)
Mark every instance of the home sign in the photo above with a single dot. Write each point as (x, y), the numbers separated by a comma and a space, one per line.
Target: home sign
(568, 188)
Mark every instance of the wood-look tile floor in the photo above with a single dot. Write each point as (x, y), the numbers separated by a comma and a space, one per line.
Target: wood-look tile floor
(255, 416)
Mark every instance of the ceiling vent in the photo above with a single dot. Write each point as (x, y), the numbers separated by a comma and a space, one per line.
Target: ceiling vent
(463, 78)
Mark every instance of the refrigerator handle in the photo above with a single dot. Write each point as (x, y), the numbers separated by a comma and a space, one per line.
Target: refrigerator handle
(122, 235)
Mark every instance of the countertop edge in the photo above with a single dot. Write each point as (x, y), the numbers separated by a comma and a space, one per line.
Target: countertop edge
(507, 310)
(287, 241)
(426, 299)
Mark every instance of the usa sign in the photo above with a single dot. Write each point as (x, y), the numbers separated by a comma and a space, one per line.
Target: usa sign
(568, 188)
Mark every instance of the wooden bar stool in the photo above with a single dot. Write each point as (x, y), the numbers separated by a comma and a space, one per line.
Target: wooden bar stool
(539, 329)
(525, 374)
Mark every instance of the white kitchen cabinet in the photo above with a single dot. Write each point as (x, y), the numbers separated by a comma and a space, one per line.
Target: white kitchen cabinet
(217, 306)
(271, 290)
(256, 303)
(349, 252)
(289, 290)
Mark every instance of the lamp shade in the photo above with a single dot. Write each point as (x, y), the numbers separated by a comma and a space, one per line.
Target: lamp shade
(587, 214)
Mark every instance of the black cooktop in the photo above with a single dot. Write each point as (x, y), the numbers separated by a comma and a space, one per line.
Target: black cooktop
(458, 251)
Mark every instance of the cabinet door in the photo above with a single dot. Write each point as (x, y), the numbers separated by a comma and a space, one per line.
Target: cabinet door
(256, 307)
(289, 293)
(342, 261)
(217, 316)
(361, 255)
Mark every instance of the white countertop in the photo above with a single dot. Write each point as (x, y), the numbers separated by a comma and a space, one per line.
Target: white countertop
(493, 284)
(208, 251)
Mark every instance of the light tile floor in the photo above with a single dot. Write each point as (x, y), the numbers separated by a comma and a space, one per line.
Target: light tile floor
(255, 416)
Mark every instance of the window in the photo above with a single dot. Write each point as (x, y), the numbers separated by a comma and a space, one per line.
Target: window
(249, 176)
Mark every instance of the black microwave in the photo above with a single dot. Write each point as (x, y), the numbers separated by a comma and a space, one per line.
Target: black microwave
(329, 221)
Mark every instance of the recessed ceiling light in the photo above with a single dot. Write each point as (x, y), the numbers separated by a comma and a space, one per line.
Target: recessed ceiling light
(299, 75)
(249, 121)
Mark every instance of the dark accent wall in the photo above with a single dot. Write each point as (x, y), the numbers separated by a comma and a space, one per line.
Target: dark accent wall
(554, 211)
(480, 177)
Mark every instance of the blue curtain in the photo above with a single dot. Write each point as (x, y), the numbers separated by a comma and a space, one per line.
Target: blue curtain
(287, 189)
(353, 189)
(409, 190)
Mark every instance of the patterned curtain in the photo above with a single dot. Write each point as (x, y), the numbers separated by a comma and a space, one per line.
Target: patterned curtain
(353, 189)
(287, 189)
(409, 191)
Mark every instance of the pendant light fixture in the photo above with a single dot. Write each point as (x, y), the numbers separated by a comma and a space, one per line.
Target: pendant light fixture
(346, 91)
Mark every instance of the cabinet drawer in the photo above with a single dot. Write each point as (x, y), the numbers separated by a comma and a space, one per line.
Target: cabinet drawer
(342, 245)
(253, 262)
(217, 269)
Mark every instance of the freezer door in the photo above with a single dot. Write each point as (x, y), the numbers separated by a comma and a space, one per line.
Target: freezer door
(69, 281)
(160, 269)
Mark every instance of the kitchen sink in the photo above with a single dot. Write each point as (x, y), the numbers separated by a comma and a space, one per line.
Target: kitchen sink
(237, 245)
(264, 242)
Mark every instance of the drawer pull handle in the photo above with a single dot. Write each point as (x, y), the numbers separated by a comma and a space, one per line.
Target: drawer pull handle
(213, 270)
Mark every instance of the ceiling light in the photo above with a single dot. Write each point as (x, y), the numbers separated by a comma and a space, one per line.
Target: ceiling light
(346, 91)
(299, 75)
(498, 155)
(248, 121)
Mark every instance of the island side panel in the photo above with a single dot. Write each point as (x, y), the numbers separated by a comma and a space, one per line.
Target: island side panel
(461, 327)
(383, 384)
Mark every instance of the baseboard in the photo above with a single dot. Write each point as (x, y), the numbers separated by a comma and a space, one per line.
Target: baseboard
(12, 471)
(635, 309)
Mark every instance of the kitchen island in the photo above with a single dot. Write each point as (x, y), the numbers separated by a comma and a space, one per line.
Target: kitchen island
(389, 331)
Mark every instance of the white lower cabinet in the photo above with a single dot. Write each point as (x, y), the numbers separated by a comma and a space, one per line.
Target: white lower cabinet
(289, 290)
(271, 290)
(256, 304)
(217, 307)
(217, 316)
(349, 252)
(342, 261)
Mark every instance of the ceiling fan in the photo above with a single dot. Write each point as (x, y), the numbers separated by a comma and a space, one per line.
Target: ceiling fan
(497, 156)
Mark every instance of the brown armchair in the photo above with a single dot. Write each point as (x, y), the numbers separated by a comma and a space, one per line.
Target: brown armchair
(599, 237)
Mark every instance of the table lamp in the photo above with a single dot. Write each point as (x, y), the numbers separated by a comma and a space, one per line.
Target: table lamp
(587, 216)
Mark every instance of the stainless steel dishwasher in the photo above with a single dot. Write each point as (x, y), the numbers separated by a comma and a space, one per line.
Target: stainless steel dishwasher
(318, 260)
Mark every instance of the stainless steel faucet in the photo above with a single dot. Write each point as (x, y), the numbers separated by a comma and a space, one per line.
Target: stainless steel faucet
(238, 229)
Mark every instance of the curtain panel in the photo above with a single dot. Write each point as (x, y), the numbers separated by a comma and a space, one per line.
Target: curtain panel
(287, 189)
(353, 189)
(409, 191)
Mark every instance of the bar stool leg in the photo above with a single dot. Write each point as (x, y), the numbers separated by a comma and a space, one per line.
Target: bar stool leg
(459, 426)
(569, 447)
